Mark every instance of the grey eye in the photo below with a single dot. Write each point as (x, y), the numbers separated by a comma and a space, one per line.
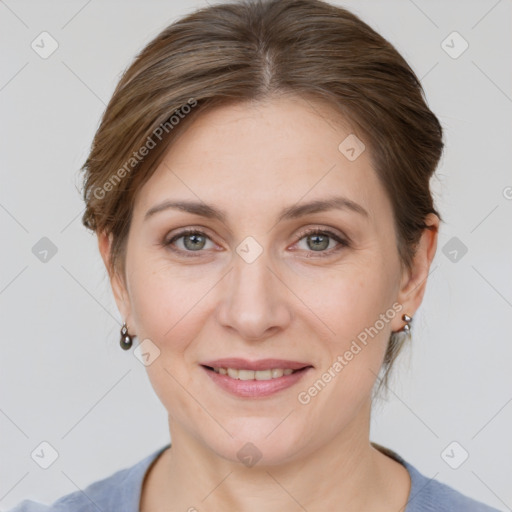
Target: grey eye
(318, 242)
(194, 242)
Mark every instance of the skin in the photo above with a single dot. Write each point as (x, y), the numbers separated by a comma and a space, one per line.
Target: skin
(251, 160)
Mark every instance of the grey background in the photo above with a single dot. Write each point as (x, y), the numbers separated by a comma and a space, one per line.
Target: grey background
(64, 379)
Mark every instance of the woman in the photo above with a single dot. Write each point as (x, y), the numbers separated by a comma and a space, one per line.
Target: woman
(259, 185)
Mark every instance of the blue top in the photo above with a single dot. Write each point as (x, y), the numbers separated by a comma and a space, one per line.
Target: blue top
(121, 492)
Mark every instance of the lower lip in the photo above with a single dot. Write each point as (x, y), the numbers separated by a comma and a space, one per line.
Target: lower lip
(255, 388)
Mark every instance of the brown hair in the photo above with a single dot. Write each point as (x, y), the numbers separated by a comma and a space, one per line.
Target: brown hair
(249, 51)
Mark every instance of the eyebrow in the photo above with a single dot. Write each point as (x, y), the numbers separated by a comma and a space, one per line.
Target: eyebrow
(291, 212)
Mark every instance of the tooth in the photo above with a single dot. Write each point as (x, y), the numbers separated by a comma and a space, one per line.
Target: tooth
(263, 375)
(245, 374)
(232, 373)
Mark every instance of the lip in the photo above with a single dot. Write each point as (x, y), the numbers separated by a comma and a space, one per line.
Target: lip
(261, 364)
(255, 388)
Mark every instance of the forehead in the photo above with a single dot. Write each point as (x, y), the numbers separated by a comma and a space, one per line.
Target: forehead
(259, 154)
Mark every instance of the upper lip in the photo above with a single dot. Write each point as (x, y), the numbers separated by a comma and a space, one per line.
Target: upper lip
(260, 364)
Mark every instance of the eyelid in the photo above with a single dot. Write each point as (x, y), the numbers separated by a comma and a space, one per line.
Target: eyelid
(326, 230)
(169, 240)
(341, 239)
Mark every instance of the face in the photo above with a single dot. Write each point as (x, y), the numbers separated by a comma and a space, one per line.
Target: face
(266, 278)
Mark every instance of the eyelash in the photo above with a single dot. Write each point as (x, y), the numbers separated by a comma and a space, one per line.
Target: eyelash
(315, 231)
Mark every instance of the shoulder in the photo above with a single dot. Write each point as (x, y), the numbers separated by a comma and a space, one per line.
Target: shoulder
(29, 506)
(428, 495)
(119, 491)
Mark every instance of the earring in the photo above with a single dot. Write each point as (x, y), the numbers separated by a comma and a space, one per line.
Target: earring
(406, 328)
(126, 339)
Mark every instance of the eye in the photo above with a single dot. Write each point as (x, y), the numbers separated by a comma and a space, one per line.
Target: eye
(193, 241)
(318, 240)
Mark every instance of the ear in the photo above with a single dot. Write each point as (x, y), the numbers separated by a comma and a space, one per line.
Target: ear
(116, 281)
(414, 281)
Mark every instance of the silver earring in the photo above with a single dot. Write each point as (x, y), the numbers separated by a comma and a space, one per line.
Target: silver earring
(126, 339)
(406, 328)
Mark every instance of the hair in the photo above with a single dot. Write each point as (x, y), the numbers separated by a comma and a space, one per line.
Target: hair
(252, 50)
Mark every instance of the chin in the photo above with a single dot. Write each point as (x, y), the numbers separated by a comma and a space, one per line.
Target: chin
(260, 444)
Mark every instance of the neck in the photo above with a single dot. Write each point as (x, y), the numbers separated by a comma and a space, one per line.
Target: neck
(192, 477)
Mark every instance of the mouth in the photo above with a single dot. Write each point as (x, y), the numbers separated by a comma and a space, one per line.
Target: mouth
(255, 379)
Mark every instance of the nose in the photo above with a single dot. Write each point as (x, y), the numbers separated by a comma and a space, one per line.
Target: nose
(255, 300)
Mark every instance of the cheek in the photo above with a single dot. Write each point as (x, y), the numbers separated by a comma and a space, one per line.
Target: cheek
(356, 305)
(166, 309)
(169, 312)
(350, 300)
